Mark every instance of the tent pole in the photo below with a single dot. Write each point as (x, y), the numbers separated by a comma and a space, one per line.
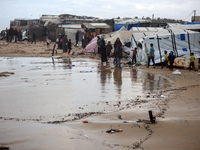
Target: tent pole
(172, 40)
(159, 48)
(175, 45)
(134, 40)
(189, 42)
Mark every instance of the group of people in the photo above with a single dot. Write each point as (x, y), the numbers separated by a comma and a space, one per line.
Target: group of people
(12, 34)
(105, 51)
(64, 43)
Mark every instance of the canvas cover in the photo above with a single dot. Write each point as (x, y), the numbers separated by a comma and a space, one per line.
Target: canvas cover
(122, 34)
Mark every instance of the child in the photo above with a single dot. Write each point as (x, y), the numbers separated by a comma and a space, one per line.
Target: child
(192, 58)
(69, 46)
(165, 60)
(134, 55)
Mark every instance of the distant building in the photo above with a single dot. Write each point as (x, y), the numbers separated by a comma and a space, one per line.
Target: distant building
(24, 22)
(97, 28)
(195, 19)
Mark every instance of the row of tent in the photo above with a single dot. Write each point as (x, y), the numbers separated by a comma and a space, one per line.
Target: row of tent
(182, 42)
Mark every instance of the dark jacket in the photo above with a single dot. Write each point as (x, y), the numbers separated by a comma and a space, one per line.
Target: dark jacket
(171, 58)
(119, 52)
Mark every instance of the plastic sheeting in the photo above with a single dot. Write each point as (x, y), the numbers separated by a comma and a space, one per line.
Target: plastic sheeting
(92, 47)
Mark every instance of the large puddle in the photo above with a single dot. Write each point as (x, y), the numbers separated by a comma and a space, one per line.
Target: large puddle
(54, 88)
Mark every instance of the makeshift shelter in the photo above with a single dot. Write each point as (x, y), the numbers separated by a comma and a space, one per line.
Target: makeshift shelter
(97, 28)
(71, 30)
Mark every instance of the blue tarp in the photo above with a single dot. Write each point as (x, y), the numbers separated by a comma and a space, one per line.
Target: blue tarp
(191, 23)
(182, 37)
(119, 26)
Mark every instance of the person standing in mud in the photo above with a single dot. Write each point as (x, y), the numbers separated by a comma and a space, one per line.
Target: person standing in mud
(151, 56)
(64, 44)
(34, 38)
(117, 45)
(119, 56)
(102, 49)
(108, 50)
(171, 58)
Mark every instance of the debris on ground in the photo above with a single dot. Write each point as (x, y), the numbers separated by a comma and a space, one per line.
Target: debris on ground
(114, 130)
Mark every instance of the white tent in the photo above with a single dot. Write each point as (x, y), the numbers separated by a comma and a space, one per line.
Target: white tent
(181, 42)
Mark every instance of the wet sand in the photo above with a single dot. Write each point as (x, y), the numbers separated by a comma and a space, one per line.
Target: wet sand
(177, 126)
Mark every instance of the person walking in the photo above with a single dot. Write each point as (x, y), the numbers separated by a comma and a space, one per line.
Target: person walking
(151, 56)
(192, 58)
(165, 60)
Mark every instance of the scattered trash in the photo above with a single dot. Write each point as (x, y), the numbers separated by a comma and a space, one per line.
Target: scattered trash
(85, 121)
(114, 130)
(163, 96)
(85, 71)
(176, 72)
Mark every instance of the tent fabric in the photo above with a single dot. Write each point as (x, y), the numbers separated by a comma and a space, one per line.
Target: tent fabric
(122, 34)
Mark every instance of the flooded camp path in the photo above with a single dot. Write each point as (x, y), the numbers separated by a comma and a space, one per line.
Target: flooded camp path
(40, 93)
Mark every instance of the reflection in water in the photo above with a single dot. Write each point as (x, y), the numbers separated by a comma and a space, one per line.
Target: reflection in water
(153, 82)
(117, 76)
(134, 75)
(67, 63)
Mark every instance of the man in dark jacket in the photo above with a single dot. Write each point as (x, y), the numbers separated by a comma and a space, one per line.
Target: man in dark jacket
(171, 58)
(119, 56)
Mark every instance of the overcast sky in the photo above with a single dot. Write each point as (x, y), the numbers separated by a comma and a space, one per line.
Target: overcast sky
(33, 9)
